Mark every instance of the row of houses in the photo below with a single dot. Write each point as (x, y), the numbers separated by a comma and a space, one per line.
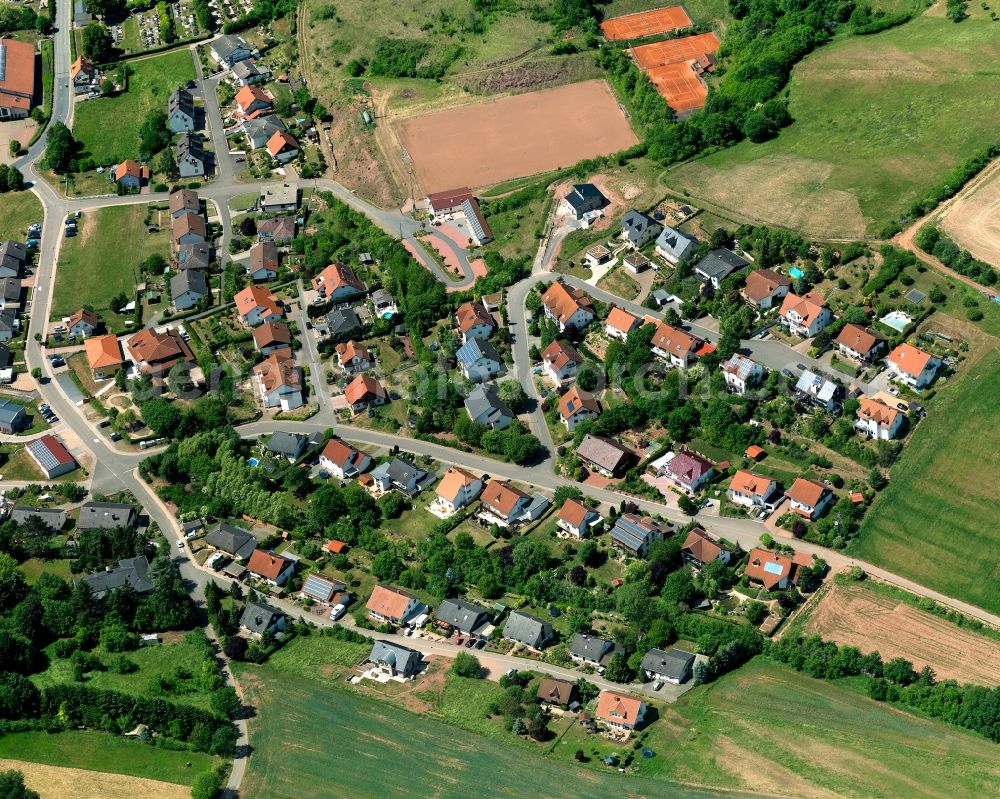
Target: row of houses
(14, 261)
(152, 352)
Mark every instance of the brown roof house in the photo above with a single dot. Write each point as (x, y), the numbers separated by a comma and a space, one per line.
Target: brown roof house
(272, 569)
(393, 605)
(619, 711)
(674, 346)
(700, 548)
(184, 201)
(263, 263)
(474, 321)
(569, 307)
(577, 519)
(763, 287)
(279, 382)
(83, 323)
(364, 392)
(353, 357)
(189, 228)
(272, 336)
(158, 351)
(104, 356)
(503, 502)
(605, 455)
(557, 693)
(859, 343)
(690, 471)
(809, 498)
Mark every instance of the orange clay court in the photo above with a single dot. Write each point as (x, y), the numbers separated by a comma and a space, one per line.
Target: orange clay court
(645, 23)
(489, 142)
(671, 52)
(679, 84)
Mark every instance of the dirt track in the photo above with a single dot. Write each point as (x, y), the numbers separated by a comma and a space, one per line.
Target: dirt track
(855, 615)
(56, 782)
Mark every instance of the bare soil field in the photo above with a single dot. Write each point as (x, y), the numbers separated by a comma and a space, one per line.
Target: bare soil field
(483, 144)
(56, 782)
(973, 219)
(857, 615)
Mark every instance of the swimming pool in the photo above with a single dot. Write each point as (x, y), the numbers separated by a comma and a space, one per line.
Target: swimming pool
(253, 462)
(797, 273)
(388, 315)
(897, 320)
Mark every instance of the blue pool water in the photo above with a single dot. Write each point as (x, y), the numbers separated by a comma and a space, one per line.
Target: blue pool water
(897, 320)
(387, 315)
(797, 273)
(253, 462)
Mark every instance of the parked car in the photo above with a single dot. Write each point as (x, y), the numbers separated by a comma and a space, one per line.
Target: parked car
(337, 612)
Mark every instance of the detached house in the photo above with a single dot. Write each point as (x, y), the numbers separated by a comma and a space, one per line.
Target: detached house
(717, 266)
(620, 712)
(180, 112)
(104, 356)
(804, 316)
(456, 490)
(560, 361)
(192, 161)
(83, 74)
(82, 324)
(506, 503)
(772, 570)
(231, 540)
(106, 515)
(605, 455)
(230, 49)
(764, 287)
(263, 263)
(576, 406)
(809, 498)
(13, 258)
(272, 569)
(282, 147)
(690, 471)
(673, 667)
(554, 693)
(479, 360)
(620, 323)
(256, 305)
(638, 229)
(859, 343)
(457, 614)
(272, 336)
(364, 392)
(817, 390)
(342, 460)
(577, 519)
(337, 282)
(754, 491)
(353, 357)
(485, 407)
(131, 174)
(567, 306)
(259, 618)
(399, 474)
(158, 351)
(251, 100)
(474, 321)
(912, 366)
(700, 548)
(393, 660)
(393, 605)
(742, 373)
(527, 630)
(635, 534)
(674, 346)
(877, 420)
(675, 247)
(259, 131)
(279, 382)
(584, 199)
(592, 651)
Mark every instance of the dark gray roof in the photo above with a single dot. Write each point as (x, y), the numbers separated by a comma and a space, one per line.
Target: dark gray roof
(131, 571)
(192, 526)
(189, 280)
(181, 100)
(234, 540)
(10, 289)
(6, 356)
(190, 145)
(245, 69)
(402, 659)
(10, 412)
(263, 126)
(463, 615)
(106, 515)
(8, 318)
(343, 321)
(288, 444)
(258, 616)
(225, 46)
(474, 349)
(635, 222)
(402, 472)
(590, 647)
(719, 264)
(527, 630)
(585, 197)
(54, 518)
(673, 664)
(194, 256)
(485, 400)
(15, 250)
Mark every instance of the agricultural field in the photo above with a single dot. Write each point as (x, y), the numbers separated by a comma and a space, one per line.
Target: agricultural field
(20, 209)
(103, 259)
(57, 782)
(103, 752)
(973, 220)
(940, 503)
(149, 86)
(857, 613)
(874, 130)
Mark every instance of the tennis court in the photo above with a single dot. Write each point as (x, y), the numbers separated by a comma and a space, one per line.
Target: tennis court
(645, 23)
(680, 86)
(688, 48)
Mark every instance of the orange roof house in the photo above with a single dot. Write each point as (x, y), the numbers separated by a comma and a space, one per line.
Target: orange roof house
(251, 98)
(131, 173)
(577, 405)
(674, 345)
(809, 498)
(256, 304)
(88, 318)
(912, 365)
(337, 281)
(363, 391)
(353, 357)
(282, 146)
(335, 546)
(700, 548)
(502, 498)
(755, 453)
(804, 316)
(104, 355)
(620, 711)
(473, 319)
(769, 569)
(561, 360)
(391, 604)
(17, 80)
(763, 286)
(272, 336)
(568, 306)
(270, 567)
(620, 323)
(81, 67)
(158, 352)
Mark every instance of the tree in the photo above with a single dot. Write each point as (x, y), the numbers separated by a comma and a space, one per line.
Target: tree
(687, 505)
(12, 786)
(98, 45)
(154, 133)
(161, 415)
(205, 785)
(386, 566)
(166, 162)
(700, 673)
(756, 612)
(225, 702)
(900, 671)
(466, 665)
(106, 8)
(877, 480)
(618, 669)
(59, 148)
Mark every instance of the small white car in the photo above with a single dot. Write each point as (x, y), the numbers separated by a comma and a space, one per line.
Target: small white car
(180, 545)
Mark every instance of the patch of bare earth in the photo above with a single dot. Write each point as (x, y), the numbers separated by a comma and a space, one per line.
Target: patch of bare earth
(973, 220)
(769, 777)
(56, 782)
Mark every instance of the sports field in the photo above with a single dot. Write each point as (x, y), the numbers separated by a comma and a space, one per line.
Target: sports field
(645, 23)
(936, 522)
(680, 86)
(674, 51)
(878, 121)
(486, 143)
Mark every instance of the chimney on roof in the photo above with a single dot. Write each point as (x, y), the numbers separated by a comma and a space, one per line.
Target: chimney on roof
(260, 620)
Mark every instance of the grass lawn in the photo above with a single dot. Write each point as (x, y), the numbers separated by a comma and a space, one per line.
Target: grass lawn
(38, 423)
(940, 503)
(620, 283)
(17, 464)
(243, 201)
(104, 260)
(34, 568)
(20, 209)
(150, 85)
(875, 129)
(98, 751)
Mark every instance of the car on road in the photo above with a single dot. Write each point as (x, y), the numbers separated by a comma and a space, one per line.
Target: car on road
(788, 373)
(180, 545)
(892, 390)
(43, 407)
(801, 367)
(52, 419)
(57, 360)
(657, 685)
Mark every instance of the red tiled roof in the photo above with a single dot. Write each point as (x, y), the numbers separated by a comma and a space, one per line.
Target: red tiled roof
(759, 559)
(563, 301)
(502, 496)
(576, 399)
(364, 388)
(617, 708)
(807, 492)
(910, 359)
(266, 564)
(701, 545)
(388, 602)
(762, 283)
(103, 351)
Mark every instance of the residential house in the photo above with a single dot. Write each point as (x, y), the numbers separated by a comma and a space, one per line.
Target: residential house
(690, 471)
(393, 660)
(278, 197)
(82, 324)
(859, 343)
(484, 406)
(52, 518)
(674, 346)
(912, 366)
(583, 200)
(620, 712)
(337, 282)
(353, 357)
(131, 174)
(279, 229)
(804, 316)
(638, 229)
(107, 516)
(635, 262)
(287, 445)
(605, 455)
(596, 255)
(251, 100)
(342, 460)
(184, 201)
(279, 382)
(457, 614)
(104, 356)
(527, 630)
(83, 74)
(504, 502)
(189, 228)
(320, 588)
(772, 570)
(567, 306)
(256, 305)
(673, 667)
(390, 605)
(700, 548)
(156, 352)
(13, 417)
(764, 287)
(192, 160)
(383, 304)
(717, 266)
(50, 456)
(231, 540)
(742, 373)
(259, 618)
(364, 392)
(556, 693)
(181, 112)
(9, 324)
(259, 131)
(400, 475)
(269, 567)
(272, 336)
(576, 406)
(13, 258)
(188, 288)
(194, 256)
(809, 498)
(675, 247)
(817, 390)
(754, 491)
(577, 519)
(620, 323)
(263, 263)
(6, 364)
(877, 420)
(474, 321)
(593, 651)
(10, 294)
(230, 49)
(634, 534)
(457, 489)
(339, 325)
(560, 360)
(479, 360)
(131, 572)
(282, 147)
(246, 73)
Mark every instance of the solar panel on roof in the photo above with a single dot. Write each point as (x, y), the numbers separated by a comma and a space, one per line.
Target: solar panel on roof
(773, 568)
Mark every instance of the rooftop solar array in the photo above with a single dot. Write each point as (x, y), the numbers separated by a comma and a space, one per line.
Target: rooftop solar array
(773, 568)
